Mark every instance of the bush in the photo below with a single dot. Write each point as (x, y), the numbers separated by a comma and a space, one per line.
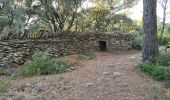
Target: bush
(86, 55)
(158, 67)
(165, 39)
(42, 66)
(164, 59)
(146, 67)
(156, 71)
(137, 41)
(4, 85)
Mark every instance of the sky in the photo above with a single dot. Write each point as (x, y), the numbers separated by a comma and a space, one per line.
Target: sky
(136, 12)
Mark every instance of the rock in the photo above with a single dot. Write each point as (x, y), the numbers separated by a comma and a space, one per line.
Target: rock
(38, 86)
(19, 51)
(105, 73)
(2, 65)
(25, 45)
(72, 68)
(2, 74)
(3, 43)
(6, 48)
(89, 83)
(68, 70)
(18, 60)
(117, 73)
(28, 50)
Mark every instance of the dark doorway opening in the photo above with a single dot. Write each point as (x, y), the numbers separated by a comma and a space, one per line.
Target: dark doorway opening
(102, 45)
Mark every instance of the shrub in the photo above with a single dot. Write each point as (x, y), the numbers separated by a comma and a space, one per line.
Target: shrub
(137, 41)
(146, 67)
(4, 85)
(164, 59)
(86, 55)
(41, 65)
(165, 39)
(158, 67)
(156, 71)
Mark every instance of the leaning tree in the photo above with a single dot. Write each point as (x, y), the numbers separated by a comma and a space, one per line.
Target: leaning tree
(150, 43)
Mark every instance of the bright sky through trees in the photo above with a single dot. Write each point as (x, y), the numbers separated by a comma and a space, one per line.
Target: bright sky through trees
(137, 11)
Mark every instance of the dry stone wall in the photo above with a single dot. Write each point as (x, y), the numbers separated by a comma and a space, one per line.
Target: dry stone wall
(17, 52)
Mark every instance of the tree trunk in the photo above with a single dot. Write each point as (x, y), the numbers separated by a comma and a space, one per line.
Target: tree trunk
(163, 25)
(150, 42)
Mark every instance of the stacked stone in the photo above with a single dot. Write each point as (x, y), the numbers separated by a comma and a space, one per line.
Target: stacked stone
(18, 52)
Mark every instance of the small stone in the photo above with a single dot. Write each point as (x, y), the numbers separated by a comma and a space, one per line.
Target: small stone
(105, 73)
(5, 48)
(117, 73)
(132, 57)
(28, 50)
(135, 64)
(2, 65)
(38, 86)
(19, 61)
(7, 51)
(89, 84)
(25, 45)
(69, 70)
(72, 68)
(3, 43)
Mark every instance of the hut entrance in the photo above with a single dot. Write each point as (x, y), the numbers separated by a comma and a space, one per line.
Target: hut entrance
(102, 45)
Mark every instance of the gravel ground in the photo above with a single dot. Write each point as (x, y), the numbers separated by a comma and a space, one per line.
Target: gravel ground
(107, 77)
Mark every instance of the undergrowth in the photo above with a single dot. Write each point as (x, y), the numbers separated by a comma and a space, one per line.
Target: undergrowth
(158, 67)
(86, 55)
(41, 65)
(5, 84)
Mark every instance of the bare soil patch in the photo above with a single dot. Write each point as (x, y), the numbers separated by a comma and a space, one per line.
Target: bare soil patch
(107, 77)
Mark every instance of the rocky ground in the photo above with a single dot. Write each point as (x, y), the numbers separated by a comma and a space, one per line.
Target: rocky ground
(107, 77)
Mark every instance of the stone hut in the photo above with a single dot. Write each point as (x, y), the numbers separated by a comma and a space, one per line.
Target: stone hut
(18, 51)
(111, 42)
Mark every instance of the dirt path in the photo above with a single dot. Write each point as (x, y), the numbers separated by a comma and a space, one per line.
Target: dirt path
(107, 77)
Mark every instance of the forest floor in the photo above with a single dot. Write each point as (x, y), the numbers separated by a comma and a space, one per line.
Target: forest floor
(109, 76)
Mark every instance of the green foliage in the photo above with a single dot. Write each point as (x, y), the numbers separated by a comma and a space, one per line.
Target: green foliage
(146, 67)
(168, 29)
(41, 65)
(164, 59)
(4, 85)
(158, 72)
(102, 19)
(86, 55)
(137, 37)
(60, 15)
(165, 39)
(158, 67)
(137, 41)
